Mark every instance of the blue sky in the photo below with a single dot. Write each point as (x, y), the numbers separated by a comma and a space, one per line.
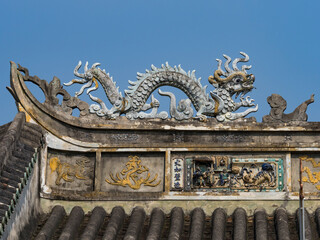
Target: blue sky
(282, 39)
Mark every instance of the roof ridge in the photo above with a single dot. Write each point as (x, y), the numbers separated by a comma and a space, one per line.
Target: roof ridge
(11, 136)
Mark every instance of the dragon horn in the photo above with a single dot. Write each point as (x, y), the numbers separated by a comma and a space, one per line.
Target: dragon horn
(226, 65)
(86, 67)
(95, 65)
(246, 56)
(75, 71)
(235, 62)
(219, 67)
(245, 67)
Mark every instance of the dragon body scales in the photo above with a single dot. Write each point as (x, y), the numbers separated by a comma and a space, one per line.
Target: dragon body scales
(133, 104)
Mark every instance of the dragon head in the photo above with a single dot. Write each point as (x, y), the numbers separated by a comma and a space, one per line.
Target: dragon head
(89, 73)
(235, 81)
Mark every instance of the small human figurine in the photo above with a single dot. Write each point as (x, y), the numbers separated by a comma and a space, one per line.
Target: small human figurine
(201, 182)
(208, 177)
(198, 177)
(224, 177)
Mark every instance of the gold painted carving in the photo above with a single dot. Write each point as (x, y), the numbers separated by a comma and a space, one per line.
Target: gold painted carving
(130, 175)
(313, 177)
(67, 171)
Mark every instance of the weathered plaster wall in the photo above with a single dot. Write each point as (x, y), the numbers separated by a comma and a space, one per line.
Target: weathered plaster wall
(246, 146)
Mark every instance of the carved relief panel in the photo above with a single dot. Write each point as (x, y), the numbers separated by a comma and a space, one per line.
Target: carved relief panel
(310, 172)
(70, 170)
(132, 172)
(263, 174)
(223, 173)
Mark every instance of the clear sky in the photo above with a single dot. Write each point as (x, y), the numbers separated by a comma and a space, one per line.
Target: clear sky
(282, 39)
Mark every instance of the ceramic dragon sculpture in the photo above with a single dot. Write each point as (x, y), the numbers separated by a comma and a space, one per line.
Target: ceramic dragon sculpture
(228, 83)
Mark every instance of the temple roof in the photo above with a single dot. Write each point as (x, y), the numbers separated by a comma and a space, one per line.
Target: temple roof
(98, 224)
(217, 163)
(18, 142)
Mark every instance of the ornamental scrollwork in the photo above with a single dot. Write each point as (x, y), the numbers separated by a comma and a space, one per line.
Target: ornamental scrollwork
(131, 175)
(51, 91)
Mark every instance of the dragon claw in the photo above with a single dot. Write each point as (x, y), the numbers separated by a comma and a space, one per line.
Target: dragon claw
(201, 118)
(247, 102)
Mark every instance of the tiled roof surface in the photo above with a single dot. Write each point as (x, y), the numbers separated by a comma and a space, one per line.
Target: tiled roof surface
(18, 141)
(176, 225)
